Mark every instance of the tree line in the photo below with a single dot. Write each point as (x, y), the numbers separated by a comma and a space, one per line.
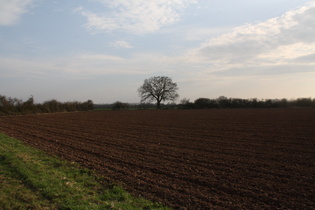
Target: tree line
(14, 106)
(224, 102)
(217, 103)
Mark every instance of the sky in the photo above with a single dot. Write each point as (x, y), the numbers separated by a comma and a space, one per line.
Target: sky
(103, 50)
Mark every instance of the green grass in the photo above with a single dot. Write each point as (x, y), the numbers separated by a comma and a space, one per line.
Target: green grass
(31, 179)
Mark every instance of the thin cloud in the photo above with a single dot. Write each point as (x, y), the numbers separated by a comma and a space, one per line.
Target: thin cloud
(201, 33)
(276, 42)
(137, 17)
(121, 44)
(78, 66)
(18, 67)
(11, 10)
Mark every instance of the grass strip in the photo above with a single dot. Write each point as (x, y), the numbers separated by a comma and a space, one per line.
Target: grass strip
(29, 179)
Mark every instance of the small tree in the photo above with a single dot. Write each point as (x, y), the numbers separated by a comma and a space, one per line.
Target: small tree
(158, 89)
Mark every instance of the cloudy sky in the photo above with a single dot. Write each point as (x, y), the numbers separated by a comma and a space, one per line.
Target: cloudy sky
(103, 49)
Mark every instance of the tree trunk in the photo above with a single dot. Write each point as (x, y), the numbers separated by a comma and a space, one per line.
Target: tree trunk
(158, 105)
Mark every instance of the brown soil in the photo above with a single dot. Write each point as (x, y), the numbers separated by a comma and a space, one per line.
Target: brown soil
(241, 158)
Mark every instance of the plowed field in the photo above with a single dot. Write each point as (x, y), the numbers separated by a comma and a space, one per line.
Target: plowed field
(246, 158)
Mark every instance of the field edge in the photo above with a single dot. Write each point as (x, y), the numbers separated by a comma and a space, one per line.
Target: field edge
(30, 178)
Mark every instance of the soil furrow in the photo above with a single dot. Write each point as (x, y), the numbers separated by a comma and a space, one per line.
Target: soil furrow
(197, 159)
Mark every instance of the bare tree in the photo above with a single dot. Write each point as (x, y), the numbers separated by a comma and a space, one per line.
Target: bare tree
(158, 89)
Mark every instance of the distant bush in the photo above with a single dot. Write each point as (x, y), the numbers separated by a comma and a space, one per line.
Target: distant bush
(186, 104)
(206, 103)
(119, 105)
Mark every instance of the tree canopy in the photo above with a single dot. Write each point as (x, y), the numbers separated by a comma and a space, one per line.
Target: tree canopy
(158, 88)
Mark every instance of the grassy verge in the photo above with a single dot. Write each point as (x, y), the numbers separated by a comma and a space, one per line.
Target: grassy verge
(31, 179)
